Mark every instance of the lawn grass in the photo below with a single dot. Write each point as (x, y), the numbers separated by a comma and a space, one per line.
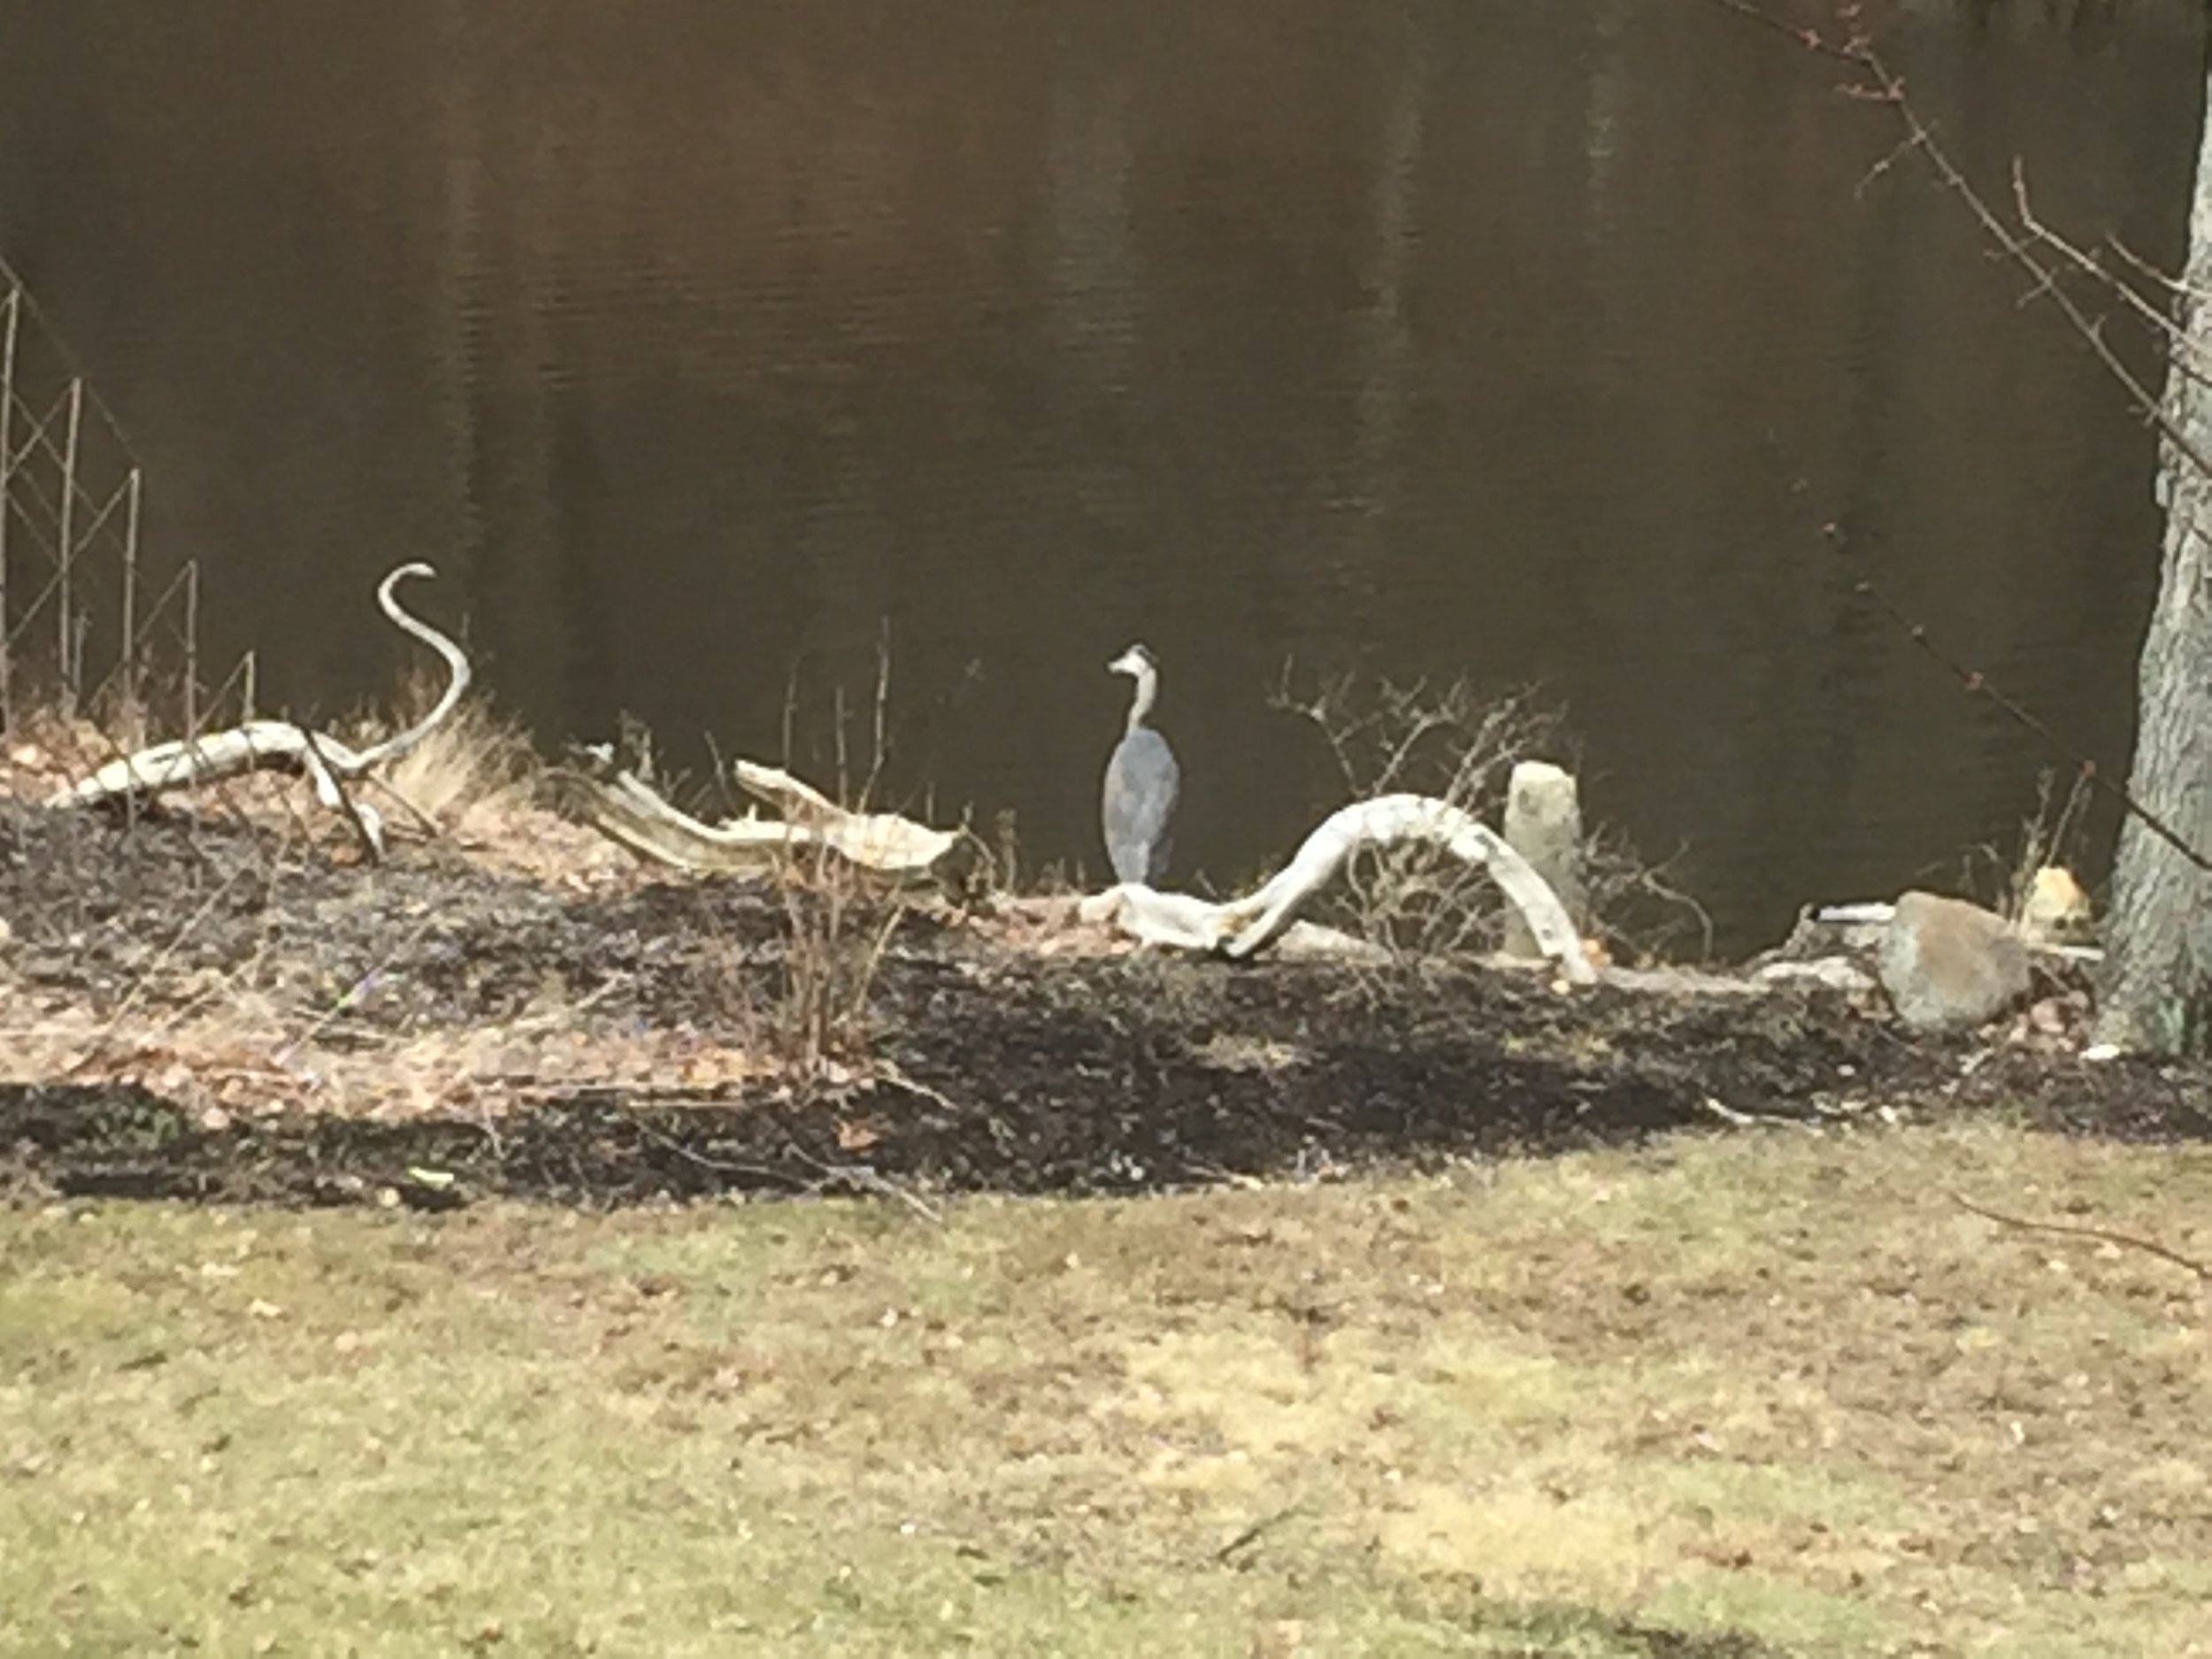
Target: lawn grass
(1762, 1394)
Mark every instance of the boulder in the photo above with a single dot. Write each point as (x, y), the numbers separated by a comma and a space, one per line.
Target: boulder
(1949, 965)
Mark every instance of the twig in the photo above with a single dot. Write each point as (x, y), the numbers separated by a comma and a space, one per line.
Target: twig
(866, 1179)
(1812, 40)
(1753, 1120)
(884, 1071)
(1879, 84)
(721, 1166)
(1223, 1176)
(430, 827)
(332, 787)
(857, 1175)
(1259, 1529)
(2179, 347)
(2104, 1236)
(1979, 685)
(2150, 273)
(1727, 1114)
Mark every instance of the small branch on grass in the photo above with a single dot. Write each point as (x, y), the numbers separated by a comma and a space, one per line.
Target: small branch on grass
(1736, 1119)
(717, 1165)
(2102, 1235)
(861, 1177)
(1252, 1533)
(857, 1176)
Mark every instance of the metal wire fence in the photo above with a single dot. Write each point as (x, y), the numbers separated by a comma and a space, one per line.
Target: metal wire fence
(91, 623)
(99, 631)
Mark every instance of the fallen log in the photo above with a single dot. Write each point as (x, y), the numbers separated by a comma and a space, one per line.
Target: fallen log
(621, 806)
(282, 746)
(1243, 927)
(614, 800)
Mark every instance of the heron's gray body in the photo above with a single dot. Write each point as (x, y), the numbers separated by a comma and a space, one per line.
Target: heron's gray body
(1143, 782)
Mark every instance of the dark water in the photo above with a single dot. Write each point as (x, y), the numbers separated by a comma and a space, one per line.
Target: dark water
(700, 343)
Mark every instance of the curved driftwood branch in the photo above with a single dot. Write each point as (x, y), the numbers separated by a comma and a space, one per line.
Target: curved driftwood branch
(457, 675)
(1246, 927)
(625, 809)
(280, 746)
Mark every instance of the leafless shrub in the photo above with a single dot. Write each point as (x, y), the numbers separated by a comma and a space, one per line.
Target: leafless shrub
(839, 922)
(1456, 744)
(838, 918)
(1636, 909)
(1448, 742)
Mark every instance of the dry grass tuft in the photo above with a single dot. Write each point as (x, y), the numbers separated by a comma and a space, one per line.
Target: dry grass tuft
(471, 773)
(477, 776)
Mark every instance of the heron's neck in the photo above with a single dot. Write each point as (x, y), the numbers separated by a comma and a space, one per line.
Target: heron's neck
(1147, 688)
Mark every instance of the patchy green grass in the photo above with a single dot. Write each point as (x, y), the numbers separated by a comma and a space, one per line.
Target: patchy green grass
(1732, 1396)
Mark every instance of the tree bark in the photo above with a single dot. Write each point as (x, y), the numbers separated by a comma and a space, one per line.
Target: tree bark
(2158, 993)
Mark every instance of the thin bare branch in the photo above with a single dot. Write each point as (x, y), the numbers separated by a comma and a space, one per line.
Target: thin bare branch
(1979, 684)
(1880, 84)
(2102, 1235)
(2150, 273)
(2181, 349)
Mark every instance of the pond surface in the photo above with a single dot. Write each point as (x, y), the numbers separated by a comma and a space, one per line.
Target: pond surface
(706, 346)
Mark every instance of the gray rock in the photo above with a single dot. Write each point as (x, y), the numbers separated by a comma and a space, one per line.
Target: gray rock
(1949, 965)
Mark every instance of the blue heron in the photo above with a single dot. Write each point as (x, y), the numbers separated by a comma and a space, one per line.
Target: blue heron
(1141, 783)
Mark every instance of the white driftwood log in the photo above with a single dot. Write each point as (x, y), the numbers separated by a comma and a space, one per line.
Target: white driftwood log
(626, 810)
(1246, 926)
(279, 745)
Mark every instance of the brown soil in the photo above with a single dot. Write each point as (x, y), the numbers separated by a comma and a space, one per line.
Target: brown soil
(194, 1012)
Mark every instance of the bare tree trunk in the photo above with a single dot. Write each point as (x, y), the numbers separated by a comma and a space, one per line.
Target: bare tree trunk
(2159, 996)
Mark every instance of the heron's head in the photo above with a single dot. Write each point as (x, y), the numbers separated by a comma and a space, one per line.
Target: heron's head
(1136, 662)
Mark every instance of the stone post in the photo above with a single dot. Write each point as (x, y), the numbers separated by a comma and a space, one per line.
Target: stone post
(1543, 823)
